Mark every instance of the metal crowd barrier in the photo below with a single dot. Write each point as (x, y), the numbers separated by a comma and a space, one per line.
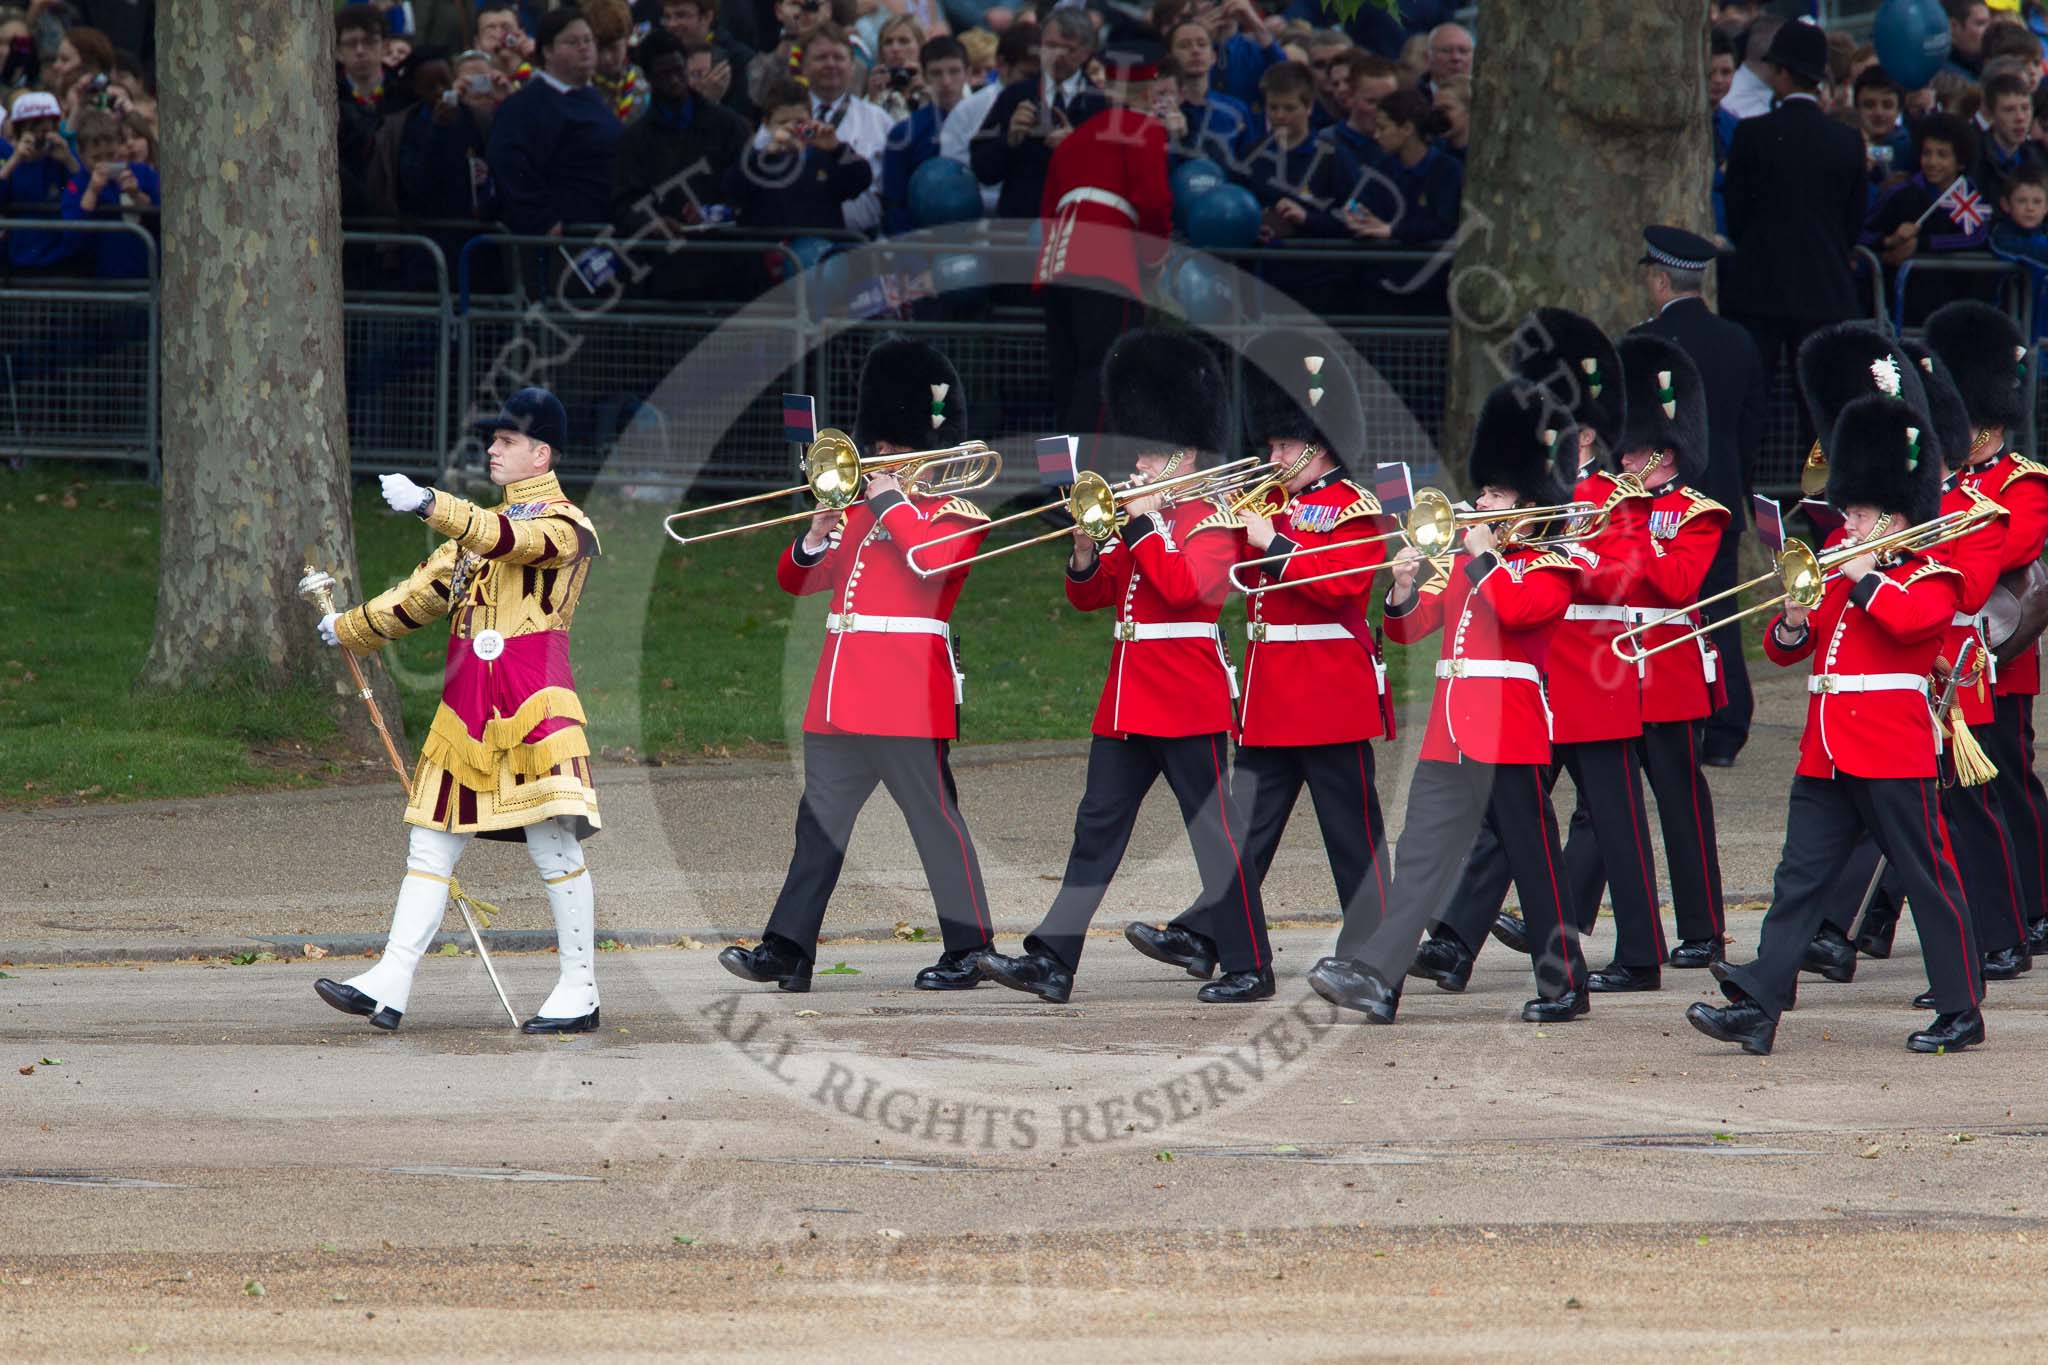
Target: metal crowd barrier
(79, 358)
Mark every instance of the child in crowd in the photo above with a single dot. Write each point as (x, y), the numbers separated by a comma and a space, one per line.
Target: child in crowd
(1905, 222)
(1300, 179)
(2009, 110)
(108, 185)
(1887, 146)
(797, 174)
(2021, 233)
(1215, 125)
(34, 168)
(1415, 196)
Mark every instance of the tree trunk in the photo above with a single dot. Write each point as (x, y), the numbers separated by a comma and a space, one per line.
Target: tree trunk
(255, 434)
(1589, 122)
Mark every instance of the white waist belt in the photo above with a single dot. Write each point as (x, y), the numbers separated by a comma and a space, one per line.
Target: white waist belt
(860, 623)
(1088, 194)
(1963, 619)
(1265, 631)
(1487, 668)
(1866, 682)
(1587, 611)
(1165, 630)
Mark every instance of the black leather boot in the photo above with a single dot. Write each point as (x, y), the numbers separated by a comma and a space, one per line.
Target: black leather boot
(1175, 946)
(773, 959)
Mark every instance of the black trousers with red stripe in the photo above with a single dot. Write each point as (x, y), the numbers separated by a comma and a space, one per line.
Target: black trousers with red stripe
(1983, 856)
(1267, 780)
(840, 773)
(1080, 325)
(1609, 776)
(1447, 804)
(1120, 773)
(2009, 742)
(1670, 754)
(1823, 821)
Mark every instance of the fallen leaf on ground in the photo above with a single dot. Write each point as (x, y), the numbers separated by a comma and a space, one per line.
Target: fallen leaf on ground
(254, 1289)
(53, 1061)
(28, 1071)
(1870, 1153)
(313, 950)
(807, 1014)
(687, 942)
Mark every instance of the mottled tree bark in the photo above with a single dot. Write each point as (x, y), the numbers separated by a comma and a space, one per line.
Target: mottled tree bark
(254, 426)
(1589, 121)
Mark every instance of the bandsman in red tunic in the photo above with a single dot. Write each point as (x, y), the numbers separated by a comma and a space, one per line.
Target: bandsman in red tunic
(1976, 828)
(1988, 360)
(884, 703)
(1665, 448)
(1315, 689)
(1486, 748)
(1595, 699)
(1868, 759)
(1108, 212)
(1166, 704)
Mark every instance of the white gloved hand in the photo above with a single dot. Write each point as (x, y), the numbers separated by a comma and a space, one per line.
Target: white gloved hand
(403, 494)
(327, 631)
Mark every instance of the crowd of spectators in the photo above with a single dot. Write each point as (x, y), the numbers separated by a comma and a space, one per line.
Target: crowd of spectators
(1955, 168)
(789, 119)
(78, 133)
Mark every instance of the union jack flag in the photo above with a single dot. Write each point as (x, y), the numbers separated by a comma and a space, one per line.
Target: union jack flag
(1963, 204)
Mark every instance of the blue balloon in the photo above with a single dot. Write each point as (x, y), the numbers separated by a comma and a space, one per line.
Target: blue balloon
(1190, 181)
(1911, 38)
(1226, 216)
(1207, 290)
(944, 191)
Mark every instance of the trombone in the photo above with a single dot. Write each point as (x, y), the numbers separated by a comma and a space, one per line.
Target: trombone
(1803, 577)
(1431, 526)
(835, 472)
(1096, 507)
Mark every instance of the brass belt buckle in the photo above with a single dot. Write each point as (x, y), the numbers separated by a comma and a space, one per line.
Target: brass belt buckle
(1127, 630)
(1257, 630)
(847, 623)
(1827, 683)
(1457, 668)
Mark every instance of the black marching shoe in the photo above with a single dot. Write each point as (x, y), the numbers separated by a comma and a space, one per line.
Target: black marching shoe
(1743, 1021)
(1880, 927)
(1696, 952)
(1238, 988)
(1560, 1010)
(1717, 760)
(349, 1000)
(1949, 1033)
(1616, 978)
(1831, 955)
(1032, 973)
(1349, 986)
(2037, 936)
(1511, 933)
(1444, 960)
(1176, 947)
(954, 971)
(2007, 963)
(540, 1023)
(771, 960)
(1924, 1000)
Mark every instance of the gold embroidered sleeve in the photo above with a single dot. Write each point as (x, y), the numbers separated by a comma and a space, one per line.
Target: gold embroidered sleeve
(545, 542)
(420, 600)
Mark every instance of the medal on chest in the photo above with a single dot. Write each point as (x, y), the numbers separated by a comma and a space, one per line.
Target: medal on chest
(1664, 525)
(1315, 517)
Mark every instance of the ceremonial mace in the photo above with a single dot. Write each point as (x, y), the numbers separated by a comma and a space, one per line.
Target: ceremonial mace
(319, 590)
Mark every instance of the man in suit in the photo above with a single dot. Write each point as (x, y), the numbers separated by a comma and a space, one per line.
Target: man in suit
(1674, 268)
(1031, 118)
(1795, 196)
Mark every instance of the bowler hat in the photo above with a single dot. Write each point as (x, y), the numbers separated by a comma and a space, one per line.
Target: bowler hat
(1802, 49)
